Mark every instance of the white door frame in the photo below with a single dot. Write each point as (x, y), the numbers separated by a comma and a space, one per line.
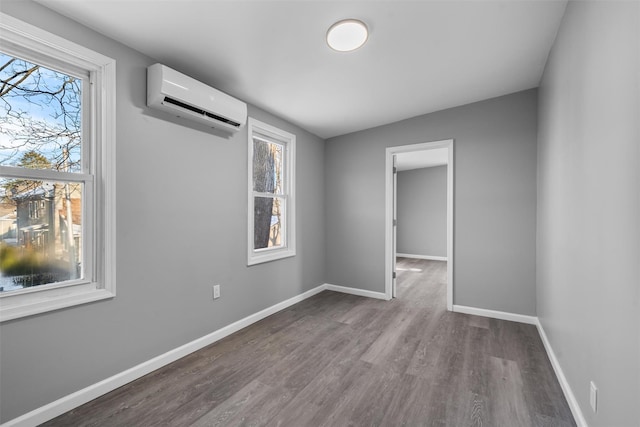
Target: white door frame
(389, 203)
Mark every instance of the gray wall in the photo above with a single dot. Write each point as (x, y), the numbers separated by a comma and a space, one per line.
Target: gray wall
(422, 211)
(588, 206)
(494, 197)
(165, 270)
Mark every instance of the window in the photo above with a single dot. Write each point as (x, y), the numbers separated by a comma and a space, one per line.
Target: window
(57, 172)
(271, 193)
(35, 210)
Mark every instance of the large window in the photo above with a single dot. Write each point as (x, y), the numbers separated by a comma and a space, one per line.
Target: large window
(57, 201)
(271, 193)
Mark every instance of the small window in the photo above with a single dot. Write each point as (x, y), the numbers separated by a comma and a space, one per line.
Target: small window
(57, 188)
(271, 193)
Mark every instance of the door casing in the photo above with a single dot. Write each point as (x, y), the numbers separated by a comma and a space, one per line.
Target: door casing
(390, 212)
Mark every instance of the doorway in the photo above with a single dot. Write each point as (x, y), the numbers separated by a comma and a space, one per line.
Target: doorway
(418, 150)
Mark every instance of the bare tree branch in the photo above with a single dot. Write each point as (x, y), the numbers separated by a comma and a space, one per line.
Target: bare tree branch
(25, 75)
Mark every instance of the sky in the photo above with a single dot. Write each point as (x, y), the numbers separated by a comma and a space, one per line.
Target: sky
(42, 110)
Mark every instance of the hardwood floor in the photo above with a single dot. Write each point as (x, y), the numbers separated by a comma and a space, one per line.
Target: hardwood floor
(343, 360)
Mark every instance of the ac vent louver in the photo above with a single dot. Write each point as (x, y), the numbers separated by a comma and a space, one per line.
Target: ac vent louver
(200, 111)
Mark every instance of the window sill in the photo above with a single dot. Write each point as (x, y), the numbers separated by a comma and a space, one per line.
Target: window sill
(261, 257)
(22, 305)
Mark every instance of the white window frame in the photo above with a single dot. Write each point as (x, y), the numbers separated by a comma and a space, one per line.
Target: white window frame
(97, 175)
(288, 140)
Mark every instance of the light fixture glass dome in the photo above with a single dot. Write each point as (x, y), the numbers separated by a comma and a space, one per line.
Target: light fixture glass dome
(347, 35)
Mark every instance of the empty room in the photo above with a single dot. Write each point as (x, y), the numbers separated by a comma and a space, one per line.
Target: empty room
(320, 213)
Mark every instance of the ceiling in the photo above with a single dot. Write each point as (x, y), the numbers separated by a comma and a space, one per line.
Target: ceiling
(422, 159)
(421, 56)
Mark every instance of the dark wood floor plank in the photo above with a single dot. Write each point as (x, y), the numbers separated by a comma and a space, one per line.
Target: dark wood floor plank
(299, 359)
(325, 394)
(344, 360)
(298, 368)
(410, 404)
(391, 341)
(510, 407)
(254, 404)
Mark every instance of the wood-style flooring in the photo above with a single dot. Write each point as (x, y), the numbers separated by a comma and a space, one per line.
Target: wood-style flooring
(343, 360)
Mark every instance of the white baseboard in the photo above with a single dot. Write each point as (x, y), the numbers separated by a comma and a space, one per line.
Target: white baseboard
(502, 315)
(80, 397)
(432, 258)
(566, 388)
(356, 291)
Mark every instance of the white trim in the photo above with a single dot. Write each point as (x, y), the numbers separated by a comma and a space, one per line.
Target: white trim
(288, 140)
(106, 219)
(566, 388)
(80, 397)
(394, 227)
(494, 314)
(356, 291)
(389, 238)
(50, 299)
(53, 51)
(450, 226)
(44, 174)
(390, 152)
(429, 257)
(20, 35)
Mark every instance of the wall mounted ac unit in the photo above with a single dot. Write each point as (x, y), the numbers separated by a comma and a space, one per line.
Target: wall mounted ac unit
(186, 97)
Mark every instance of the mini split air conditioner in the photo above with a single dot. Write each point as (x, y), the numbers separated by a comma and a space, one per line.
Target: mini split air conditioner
(186, 97)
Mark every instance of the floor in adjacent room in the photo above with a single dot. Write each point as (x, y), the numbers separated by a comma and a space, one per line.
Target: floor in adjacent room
(337, 360)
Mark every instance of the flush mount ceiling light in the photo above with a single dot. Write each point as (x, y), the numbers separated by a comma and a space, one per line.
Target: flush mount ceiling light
(347, 35)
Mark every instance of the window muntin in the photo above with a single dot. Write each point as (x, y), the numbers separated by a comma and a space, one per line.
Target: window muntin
(271, 193)
(73, 162)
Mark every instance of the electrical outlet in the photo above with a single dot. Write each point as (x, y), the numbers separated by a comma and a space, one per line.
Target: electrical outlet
(216, 291)
(593, 397)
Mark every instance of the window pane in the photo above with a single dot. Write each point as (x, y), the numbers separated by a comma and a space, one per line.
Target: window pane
(40, 232)
(267, 222)
(267, 167)
(40, 116)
